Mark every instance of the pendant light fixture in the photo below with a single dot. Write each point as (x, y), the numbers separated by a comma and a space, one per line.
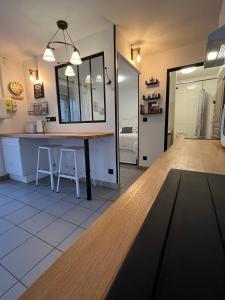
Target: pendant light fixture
(49, 51)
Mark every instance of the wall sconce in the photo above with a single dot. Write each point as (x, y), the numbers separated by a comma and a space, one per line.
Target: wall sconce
(34, 76)
(138, 50)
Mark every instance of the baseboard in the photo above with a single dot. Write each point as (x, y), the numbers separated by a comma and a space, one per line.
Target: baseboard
(111, 185)
(4, 177)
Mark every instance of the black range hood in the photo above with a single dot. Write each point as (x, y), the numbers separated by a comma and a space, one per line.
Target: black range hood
(215, 52)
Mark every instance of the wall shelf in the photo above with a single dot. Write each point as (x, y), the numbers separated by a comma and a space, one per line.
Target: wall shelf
(153, 113)
(151, 82)
(151, 99)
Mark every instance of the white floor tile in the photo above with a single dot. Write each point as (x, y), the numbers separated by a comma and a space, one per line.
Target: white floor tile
(5, 226)
(22, 214)
(6, 280)
(43, 202)
(10, 208)
(59, 209)
(56, 232)
(30, 197)
(71, 239)
(77, 215)
(40, 268)
(37, 222)
(4, 200)
(90, 220)
(105, 206)
(14, 293)
(94, 204)
(26, 256)
(12, 239)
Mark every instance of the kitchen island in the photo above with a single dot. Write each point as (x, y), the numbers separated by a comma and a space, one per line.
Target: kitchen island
(85, 136)
(88, 268)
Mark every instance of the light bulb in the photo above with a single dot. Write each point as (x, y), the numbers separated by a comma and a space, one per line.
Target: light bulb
(75, 58)
(139, 57)
(48, 55)
(212, 55)
(69, 71)
(188, 70)
(31, 78)
(88, 79)
(99, 78)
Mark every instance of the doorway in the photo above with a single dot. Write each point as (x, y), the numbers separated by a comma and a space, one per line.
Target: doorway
(191, 103)
(128, 117)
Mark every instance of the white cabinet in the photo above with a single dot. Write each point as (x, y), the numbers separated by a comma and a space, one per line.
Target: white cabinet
(12, 156)
(20, 157)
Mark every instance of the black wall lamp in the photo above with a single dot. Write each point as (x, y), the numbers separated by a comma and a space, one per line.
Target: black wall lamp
(138, 50)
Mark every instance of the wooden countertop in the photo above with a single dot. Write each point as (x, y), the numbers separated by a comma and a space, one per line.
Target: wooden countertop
(87, 269)
(50, 135)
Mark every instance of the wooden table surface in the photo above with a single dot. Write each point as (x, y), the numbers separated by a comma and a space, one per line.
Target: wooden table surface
(48, 135)
(87, 269)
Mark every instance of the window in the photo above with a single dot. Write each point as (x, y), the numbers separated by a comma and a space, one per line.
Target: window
(81, 98)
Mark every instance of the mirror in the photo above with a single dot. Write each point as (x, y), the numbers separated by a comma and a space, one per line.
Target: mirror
(81, 98)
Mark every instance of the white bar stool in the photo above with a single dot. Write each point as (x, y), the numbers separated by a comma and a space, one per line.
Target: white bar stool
(76, 176)
(52, 166)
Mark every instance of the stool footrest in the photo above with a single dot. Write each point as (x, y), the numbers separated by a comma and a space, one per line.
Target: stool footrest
(67, 176)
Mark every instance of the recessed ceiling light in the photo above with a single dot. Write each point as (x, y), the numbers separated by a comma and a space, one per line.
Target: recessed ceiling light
(188, 70)
(212, 55)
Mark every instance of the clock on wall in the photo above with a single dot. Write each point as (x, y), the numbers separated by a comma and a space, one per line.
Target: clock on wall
(16, 89)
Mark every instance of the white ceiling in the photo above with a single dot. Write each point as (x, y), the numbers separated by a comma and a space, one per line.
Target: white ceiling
(198, 73)
(27, 25)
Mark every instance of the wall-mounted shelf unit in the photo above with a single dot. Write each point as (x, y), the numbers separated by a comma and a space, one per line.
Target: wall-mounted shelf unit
(151, 98)
(38, 109)
(153, 112)
(152, 82)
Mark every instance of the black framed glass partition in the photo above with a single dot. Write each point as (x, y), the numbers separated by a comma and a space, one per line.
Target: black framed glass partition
(81, 98)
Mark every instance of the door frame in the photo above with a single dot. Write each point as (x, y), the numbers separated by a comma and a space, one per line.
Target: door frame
(199, 64)
(119, 55)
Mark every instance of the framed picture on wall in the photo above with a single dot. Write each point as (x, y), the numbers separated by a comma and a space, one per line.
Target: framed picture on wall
(39, 90)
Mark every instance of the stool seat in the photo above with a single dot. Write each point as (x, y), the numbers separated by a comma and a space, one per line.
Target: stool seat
(71, 148)
(51, 171)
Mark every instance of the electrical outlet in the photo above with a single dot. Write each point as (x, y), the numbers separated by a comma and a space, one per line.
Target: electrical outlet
(145, 119)
(50, 119)
(110, 171)
(145, 157)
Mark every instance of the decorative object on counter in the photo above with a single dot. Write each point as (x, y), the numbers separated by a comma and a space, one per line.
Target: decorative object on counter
(152, 81)
(38, 109)
(16, 89)
(39, 90)
(153, 96)
(75, 58)
(150, 109)
(10, 105)
(40, 126)
(30, 127)
(138, 50)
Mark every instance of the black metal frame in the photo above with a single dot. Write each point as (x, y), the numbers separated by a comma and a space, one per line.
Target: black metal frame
(117, 110)
(77, 68)
(168, 96)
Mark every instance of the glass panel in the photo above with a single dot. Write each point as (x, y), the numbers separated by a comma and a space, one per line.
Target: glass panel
(68, 97)
(63, 95)
(97, 70)
(85, 91)
(82, 97)
(74, 97)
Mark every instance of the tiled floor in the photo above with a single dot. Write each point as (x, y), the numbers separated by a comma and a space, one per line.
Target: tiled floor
(38, 225)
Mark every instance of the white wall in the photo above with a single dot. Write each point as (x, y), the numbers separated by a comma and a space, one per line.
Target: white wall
(104, 148)
(12, 70)
(152, 132)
